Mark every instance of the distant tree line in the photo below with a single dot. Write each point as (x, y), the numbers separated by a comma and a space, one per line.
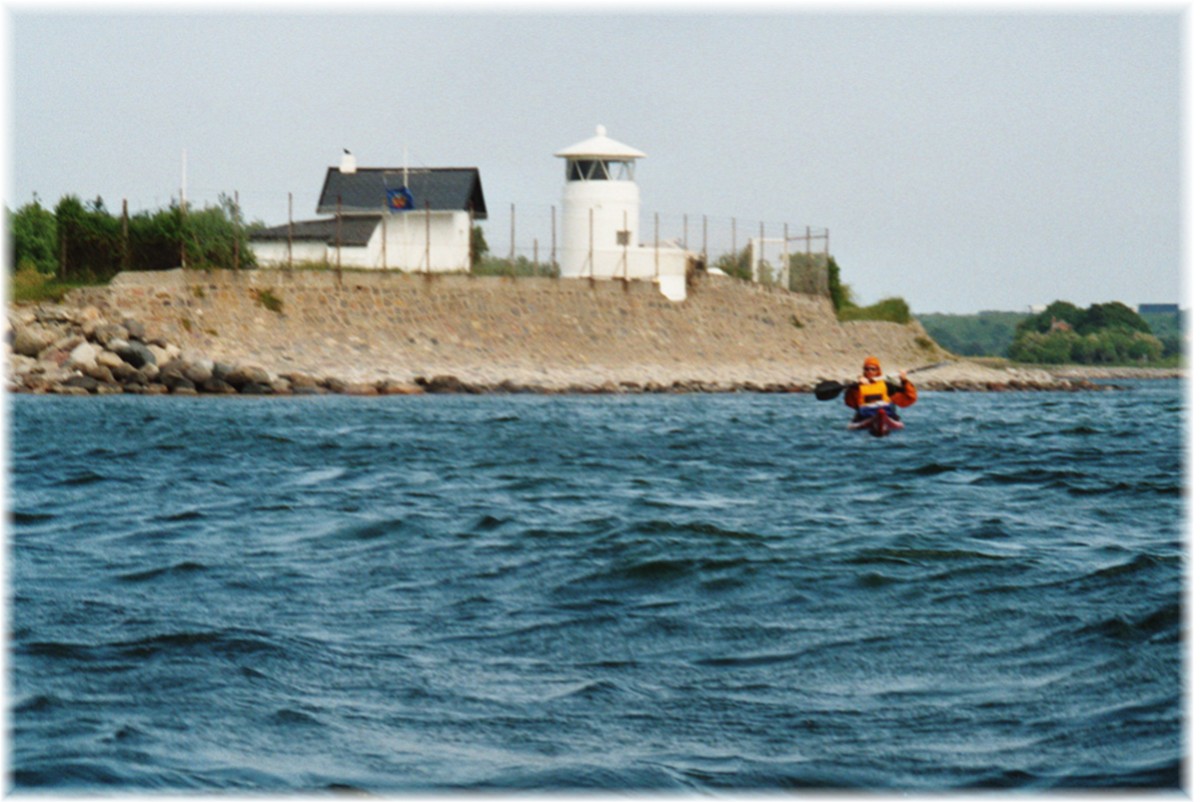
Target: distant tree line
(1108, 333)
(85, 241)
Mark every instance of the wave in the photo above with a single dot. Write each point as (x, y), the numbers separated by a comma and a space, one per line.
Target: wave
(171, 571)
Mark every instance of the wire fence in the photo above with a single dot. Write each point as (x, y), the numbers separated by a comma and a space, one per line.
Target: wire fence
(526, 239)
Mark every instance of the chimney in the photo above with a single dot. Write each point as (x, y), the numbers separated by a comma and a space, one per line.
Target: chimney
(348, 163)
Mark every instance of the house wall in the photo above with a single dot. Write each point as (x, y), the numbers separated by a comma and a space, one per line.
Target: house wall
(448, 235)
(449, 238)
(275, 253)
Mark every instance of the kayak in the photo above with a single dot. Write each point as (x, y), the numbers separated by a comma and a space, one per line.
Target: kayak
(878, 424)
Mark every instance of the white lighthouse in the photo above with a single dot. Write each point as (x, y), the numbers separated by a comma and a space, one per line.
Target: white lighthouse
(600, 219)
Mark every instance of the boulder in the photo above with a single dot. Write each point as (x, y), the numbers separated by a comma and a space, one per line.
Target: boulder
(160, 354)
(217, 387)
(444, 384)
(135, 353)
(123, 371)
(397, 387)
(198, 371)
(175, 380)
(99, 373)
(135, 328)
(108, 359)
(255, 388)
(31, 340)
(83, 356)
(360, 388)
(105, 333)
(242, 375)
(299, 380)
(281, 387)
(79, 380)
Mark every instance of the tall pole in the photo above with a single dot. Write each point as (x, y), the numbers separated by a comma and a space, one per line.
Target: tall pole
(656, 246)
(338, 238)
(383, 218)
(125, 234)
(289, 231)
(625, 255)
(787, 260)
(236, 237)
(183, 210)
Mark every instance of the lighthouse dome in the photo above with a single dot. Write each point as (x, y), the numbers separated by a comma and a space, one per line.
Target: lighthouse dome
(600, 147)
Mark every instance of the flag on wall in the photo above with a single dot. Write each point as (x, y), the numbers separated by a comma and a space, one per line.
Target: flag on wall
(400, 200)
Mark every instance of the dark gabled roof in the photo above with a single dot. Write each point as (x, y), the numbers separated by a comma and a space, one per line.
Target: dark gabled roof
(365, 190)
(355, 231)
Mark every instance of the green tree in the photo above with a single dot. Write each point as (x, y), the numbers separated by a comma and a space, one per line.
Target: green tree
(736, 265)
(479, 247)
(33, 238)
(1111, 315)
(89, 239)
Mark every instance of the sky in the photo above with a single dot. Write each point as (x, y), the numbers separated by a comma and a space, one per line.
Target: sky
(962, 159)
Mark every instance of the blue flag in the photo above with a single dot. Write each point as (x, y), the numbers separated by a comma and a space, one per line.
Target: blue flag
(399, 200)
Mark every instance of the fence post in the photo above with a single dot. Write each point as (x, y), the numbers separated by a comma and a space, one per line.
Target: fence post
(470, 238)
(236, 239)
(733, 241)
(289, 231)
(125, 234)
(625, 246)
(787, 259)
(656, 246)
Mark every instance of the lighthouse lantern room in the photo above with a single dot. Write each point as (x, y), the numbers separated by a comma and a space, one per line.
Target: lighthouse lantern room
(600, 219)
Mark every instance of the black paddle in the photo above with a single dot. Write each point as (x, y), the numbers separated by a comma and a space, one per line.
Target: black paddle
(829, 390)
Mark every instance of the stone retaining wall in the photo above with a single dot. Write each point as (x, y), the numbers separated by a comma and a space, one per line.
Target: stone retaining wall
(364, 326)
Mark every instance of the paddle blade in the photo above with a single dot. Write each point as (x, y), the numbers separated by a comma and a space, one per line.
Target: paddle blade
(828, 390)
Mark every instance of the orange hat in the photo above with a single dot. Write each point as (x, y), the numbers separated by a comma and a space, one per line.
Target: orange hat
(871, 362)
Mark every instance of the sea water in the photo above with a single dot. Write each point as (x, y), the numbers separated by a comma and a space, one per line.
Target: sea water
(616, 592)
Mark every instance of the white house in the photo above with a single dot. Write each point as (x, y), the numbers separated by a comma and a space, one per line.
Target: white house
(411, 219)
(600, 220)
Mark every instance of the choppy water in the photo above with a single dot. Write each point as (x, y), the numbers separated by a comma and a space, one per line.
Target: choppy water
(675, 592)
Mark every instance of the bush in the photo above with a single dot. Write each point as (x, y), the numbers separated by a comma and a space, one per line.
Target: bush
(33, 238)
(894, 310)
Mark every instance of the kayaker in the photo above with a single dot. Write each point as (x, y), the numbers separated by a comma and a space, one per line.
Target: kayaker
(873, 392)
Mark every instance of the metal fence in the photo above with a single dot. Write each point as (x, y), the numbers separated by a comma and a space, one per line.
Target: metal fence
(525, 240)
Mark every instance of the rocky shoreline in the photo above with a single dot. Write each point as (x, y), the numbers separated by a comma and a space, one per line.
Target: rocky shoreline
(82, 350)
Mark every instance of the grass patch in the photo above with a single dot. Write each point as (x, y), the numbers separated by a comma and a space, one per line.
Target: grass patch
(269, 300)
(33, 286)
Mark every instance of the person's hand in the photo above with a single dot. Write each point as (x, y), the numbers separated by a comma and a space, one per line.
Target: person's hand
(904, 375)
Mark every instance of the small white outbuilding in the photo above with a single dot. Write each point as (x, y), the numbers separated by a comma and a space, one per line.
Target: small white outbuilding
(601, 205)
(396, 218)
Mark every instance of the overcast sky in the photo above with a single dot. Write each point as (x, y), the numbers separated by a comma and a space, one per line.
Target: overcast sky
(962, 160)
